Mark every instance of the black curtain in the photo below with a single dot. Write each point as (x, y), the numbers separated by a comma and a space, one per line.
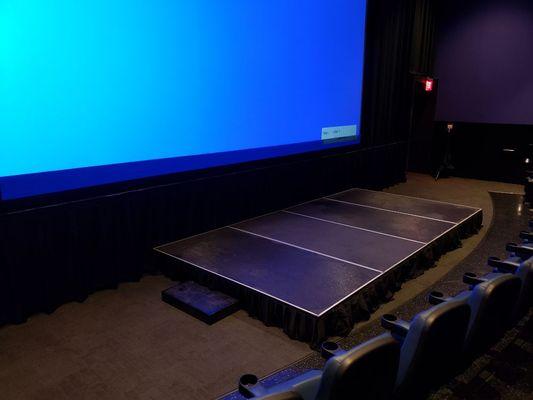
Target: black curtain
(423, 39)
(400, 36)
(60, 252)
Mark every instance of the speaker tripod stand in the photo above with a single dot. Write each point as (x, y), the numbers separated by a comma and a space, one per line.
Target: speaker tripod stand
(446, 164)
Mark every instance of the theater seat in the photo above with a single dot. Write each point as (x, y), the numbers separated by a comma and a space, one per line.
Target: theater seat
(367, 371)
(524, 271)
(491, 299)
(431, 346)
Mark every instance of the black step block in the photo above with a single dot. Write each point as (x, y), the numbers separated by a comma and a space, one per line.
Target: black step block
(200, 302)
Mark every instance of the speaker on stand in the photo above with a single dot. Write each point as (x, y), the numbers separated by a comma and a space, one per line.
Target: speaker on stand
(528, 199)
(446, 164)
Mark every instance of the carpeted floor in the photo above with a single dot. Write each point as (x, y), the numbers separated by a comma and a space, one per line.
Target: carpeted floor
(127, 344)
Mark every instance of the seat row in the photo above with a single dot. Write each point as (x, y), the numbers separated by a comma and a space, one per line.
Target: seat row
(413, 357)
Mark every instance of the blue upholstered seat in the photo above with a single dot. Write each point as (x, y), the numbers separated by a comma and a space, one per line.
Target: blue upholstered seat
(367, 371)
(524, 271)
(431, 345)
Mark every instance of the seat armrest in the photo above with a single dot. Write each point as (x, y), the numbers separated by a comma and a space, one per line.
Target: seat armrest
(249, 386)
(435, 298)
(472, 279)
(509, 266)
(331, 349)
(398, 327)
(526, 235)
(523, 251)
(306, 385)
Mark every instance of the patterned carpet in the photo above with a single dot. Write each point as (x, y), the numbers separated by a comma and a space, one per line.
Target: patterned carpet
(505, 372)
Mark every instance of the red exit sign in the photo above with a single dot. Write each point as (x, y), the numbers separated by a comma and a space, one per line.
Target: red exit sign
(428, 84)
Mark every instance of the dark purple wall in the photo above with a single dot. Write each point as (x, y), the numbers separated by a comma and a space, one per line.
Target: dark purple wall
(485, 61)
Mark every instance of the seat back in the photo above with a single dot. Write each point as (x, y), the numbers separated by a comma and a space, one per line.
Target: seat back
(367, 371)
(525, 297)
(491, 303)
(431, 351)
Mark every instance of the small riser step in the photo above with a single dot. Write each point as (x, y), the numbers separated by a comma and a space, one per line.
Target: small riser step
(200, 302)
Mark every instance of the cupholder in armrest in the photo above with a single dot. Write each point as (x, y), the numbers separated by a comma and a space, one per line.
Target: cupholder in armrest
(388, 321)
(395, 325)
(389, 317)
(330, 349)
(523, 251)
(504, 266)
(472, 279)
(249, 386)
(526, 235)
(435, 298)
(511, 247)
(248, 380)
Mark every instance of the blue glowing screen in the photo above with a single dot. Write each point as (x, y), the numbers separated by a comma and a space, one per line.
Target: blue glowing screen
(99, 91)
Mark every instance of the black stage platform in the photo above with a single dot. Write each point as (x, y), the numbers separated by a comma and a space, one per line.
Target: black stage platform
(316, 268)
